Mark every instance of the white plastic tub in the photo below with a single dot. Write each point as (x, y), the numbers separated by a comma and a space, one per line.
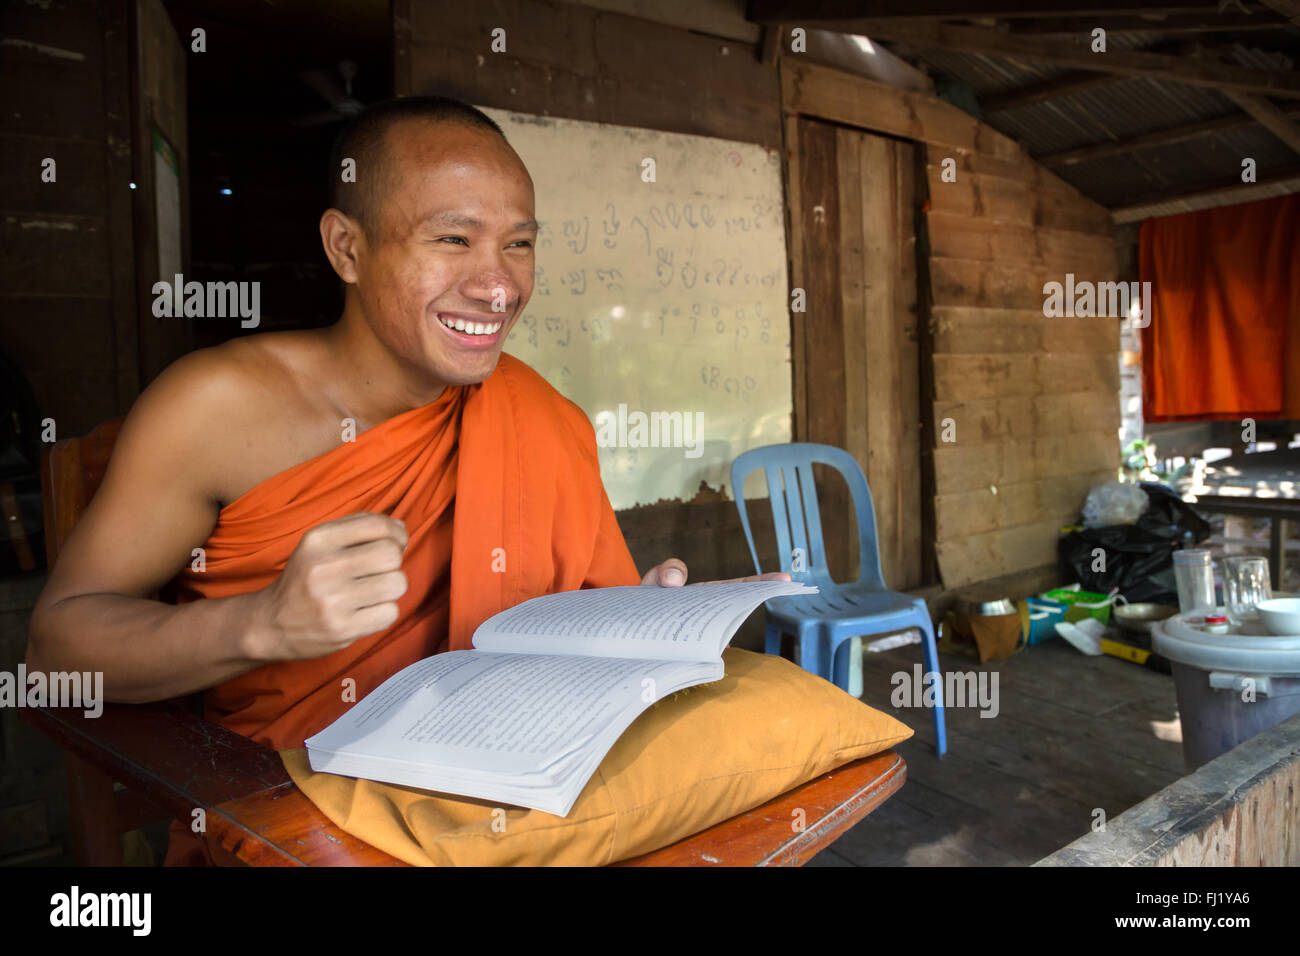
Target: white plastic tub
(1215, 676)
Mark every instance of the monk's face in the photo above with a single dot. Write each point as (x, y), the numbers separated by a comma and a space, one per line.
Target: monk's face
(450, 267)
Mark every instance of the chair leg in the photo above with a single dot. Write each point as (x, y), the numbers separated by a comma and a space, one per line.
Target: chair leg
(810, 650)
(930, 653)
(772, 643)
(840, 664)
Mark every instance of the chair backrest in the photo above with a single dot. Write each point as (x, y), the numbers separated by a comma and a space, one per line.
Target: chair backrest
(796, 514)
(71, 472)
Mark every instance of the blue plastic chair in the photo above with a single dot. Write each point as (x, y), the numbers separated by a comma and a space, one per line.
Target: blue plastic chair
(827, 621)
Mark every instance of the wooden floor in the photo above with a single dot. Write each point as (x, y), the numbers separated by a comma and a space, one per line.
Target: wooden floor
(1073, 734)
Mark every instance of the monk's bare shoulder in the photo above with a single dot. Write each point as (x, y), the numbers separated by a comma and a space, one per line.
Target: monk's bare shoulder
(236, 410)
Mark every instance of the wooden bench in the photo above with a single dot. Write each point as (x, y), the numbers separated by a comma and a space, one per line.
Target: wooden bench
(167, 761)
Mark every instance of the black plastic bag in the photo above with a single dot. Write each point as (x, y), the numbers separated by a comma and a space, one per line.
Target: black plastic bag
(1167, 514)
(1136, 558)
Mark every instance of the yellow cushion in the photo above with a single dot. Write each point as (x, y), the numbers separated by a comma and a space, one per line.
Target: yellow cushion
(700, 757)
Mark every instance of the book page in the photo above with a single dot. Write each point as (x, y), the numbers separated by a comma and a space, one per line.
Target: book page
(655, 623)
(506, 713)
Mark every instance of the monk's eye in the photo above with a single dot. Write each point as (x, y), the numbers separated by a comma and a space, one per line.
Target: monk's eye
(523, 244)
(453, 238)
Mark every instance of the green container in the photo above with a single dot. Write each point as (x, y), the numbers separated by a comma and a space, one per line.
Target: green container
(1076, 604)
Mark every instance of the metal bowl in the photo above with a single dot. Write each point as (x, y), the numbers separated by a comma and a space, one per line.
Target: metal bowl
(994, 608)
(1140, 617)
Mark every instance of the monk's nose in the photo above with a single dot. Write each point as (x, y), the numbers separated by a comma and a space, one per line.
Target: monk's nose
(489, 287)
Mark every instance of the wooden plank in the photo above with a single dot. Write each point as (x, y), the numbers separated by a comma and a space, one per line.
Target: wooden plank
(981, 556)
(1074, 53)
(794, 256)
(1002, 200)
(962, 467)
(772, 11)
(1019, 418)
(1236, 810)
(1019, 814)
(1055, 88)
(1003, 375)
(120, 221)
(39, 247)
(655, 101)
(821, 232)
(814, 90)
(1085, 768)
(982, 510)
(1288, 8)
(1222, 192)
(1277, 122)
(973, 330)
(1024, 170)
(925, 360)
(825, 373)
(82, 175)
(892, 450)
(856, 263)
(595, 65)
(934, 829)
(959, 236)
(995, 285)
(1205, 22)
(908, 477)
(158, 103)
(1002, 285)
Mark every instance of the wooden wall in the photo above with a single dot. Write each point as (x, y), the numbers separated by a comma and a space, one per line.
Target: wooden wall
(81, 251)
(66, 281)
(1032, 401)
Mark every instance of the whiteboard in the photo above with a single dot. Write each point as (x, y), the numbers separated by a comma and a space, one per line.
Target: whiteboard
(660, 308)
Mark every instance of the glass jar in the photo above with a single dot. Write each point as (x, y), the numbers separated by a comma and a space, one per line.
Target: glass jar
(1194, 575)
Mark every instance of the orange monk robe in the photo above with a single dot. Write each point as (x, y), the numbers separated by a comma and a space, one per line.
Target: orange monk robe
(499, 486)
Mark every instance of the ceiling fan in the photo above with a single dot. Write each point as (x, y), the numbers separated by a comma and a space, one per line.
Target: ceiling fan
(334, 90)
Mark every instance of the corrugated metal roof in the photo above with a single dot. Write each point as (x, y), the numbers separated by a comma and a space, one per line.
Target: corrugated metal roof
(1128, 107)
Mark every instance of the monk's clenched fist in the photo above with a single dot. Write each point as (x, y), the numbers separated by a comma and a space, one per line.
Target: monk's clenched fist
(341, 583)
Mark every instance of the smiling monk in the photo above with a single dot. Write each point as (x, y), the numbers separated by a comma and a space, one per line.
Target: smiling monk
(335, 504)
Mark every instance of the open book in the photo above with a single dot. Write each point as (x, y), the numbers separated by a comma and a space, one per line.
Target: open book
(527, 716)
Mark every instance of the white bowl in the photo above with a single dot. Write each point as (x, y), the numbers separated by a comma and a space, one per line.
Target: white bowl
(1281, 616)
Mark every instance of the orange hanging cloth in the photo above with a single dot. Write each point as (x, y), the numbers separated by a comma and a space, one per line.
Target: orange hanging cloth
(499, 486)
(1224, 339)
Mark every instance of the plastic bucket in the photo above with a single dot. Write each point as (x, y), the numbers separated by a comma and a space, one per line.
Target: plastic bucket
(1080, 604)
(1230, 687)
(1044, 615)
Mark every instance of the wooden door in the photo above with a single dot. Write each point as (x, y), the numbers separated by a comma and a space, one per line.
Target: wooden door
(855, 353)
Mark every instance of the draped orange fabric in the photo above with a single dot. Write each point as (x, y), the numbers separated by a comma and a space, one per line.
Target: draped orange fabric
(1224, 338)
(499, 486)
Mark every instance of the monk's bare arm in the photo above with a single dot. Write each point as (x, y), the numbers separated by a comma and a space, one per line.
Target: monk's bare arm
(156, 504)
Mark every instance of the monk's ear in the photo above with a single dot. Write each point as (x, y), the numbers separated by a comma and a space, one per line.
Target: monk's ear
(344, 241)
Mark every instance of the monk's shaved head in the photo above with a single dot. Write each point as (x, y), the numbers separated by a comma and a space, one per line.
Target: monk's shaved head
(364, 139)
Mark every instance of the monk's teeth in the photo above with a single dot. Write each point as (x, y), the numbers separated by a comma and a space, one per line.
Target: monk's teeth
(471, 328)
